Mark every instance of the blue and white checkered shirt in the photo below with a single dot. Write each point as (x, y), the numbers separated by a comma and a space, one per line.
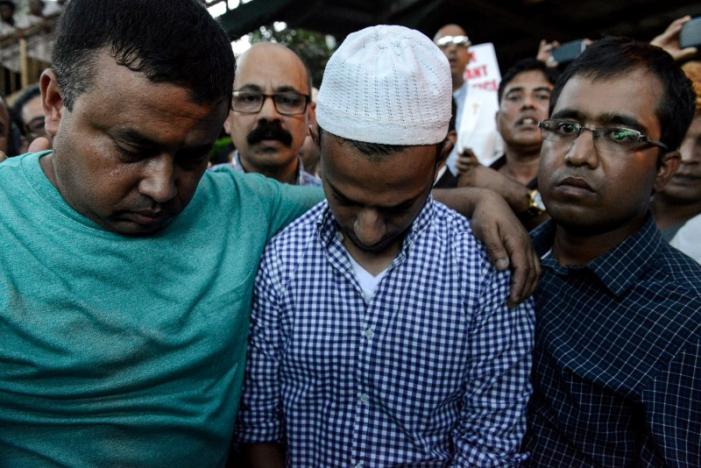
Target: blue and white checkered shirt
(432, 370)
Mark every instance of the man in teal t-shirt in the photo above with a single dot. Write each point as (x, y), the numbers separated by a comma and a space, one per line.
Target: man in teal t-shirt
(125, 269)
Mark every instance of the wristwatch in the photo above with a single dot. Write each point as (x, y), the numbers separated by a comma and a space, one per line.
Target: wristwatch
(535, 204)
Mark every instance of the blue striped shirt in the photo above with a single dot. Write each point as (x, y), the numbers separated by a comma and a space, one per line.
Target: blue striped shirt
(433, 369)
(617, 360)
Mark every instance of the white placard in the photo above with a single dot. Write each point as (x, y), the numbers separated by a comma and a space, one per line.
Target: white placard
(483, 69)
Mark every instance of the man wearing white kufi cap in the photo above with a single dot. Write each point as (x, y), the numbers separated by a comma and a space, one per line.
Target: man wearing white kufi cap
(380, 334)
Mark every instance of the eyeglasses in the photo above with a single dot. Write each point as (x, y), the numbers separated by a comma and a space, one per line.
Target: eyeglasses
(445, 41)
(607, 139)
(286, 102)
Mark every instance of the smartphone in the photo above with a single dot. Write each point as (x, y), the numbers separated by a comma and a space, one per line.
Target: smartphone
(569, 51)
(690, 35)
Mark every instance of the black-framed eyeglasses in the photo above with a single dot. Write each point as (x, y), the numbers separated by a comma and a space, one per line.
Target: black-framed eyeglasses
(445, 41)
(286, 102)
(611, 139)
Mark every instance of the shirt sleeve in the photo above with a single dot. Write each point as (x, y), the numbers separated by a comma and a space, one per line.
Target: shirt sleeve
(291, 203)
(259, 418)
(283, 203)
(497, 386)
(673, 407)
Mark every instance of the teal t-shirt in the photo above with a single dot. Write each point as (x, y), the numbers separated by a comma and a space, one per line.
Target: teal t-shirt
(121, 351)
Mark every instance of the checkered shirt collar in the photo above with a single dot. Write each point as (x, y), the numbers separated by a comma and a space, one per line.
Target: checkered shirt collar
(618, 269)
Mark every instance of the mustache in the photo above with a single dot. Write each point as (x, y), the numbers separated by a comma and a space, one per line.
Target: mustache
(269, 131)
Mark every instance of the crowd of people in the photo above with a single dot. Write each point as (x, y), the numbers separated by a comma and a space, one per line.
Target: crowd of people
(398, 270)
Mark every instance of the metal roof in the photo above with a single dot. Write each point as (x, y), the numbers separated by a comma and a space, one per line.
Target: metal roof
(514, 26)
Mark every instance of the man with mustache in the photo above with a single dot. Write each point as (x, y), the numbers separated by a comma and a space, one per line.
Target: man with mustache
(270, 114)
(618, 311)
(379, 332)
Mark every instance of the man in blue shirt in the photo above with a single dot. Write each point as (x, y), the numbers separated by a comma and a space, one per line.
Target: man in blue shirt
(380, 334)
(618, 339)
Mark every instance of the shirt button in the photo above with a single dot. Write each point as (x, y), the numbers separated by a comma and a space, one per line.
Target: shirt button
(363, 397)
(359, 465)
(369, 333)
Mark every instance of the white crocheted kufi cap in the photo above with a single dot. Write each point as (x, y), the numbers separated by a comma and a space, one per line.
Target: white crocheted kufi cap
(389, 85)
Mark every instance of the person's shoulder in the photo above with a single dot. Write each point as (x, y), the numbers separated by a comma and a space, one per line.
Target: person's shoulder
(297, 236)
(449, 220)
(682, 272)
(455, 231)
(226, 179)
(14, 162)
(22, 163)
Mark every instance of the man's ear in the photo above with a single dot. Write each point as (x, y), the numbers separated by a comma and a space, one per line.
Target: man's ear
(313, 130)
(669, 163)
(51, 101)
(311, 114)
(227, 122)
(446, 147)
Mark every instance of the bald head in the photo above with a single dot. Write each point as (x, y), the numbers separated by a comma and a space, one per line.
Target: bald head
(269, 140)
(271, 52)
(455, 50)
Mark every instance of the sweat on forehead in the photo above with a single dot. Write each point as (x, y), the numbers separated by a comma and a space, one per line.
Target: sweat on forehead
(387, 85)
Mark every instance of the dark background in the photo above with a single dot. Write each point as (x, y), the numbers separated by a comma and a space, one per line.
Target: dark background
(514, 26)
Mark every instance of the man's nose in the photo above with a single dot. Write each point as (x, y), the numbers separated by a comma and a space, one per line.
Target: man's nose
(583, 150)
(690, 151)
(369, 228)
(268, 111)
(158, 181)
(529, 102)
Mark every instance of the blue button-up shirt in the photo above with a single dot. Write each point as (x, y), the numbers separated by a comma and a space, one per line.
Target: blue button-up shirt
(617, 360)
(433, 369)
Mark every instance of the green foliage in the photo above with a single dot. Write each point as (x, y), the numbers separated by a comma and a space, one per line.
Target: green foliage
(309, 45)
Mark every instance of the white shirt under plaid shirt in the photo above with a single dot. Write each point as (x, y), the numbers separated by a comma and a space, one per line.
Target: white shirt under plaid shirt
(433, 370)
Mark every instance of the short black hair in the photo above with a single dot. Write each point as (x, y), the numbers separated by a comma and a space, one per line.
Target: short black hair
(615, 56)
(526, 65)
(374, 151)
(169, 41)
